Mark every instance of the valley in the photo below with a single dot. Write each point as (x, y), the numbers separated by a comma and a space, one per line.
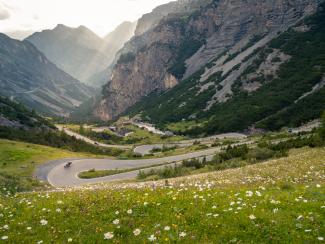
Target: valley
(192, 121)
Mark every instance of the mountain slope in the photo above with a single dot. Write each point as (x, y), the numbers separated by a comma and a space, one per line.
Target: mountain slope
(114, 41)
(220, 34)
(27, 76)
(15, 115)
(280, 83)
(152, 19)
(77, 51)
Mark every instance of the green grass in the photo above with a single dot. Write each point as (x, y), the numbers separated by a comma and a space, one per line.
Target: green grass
(90, 174)
(286, 206)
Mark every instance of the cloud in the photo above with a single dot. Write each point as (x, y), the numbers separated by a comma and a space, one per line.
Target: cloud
(4, 13)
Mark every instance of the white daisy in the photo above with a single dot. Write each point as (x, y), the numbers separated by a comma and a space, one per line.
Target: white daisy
(182, 234)
(252, 217)
(43, 222)
(152, 238)
(108, 235)
(137, 232)
(167, 228)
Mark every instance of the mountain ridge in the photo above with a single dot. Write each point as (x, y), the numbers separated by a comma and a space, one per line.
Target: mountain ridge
(28, 76)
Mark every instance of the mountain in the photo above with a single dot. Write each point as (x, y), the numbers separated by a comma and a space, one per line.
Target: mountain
(15, 115)
(117, 38)
(218, 35)
(272, 81)
(150, 20)
(27, 76)
(77, 51)
(113, 42)
(80, 52)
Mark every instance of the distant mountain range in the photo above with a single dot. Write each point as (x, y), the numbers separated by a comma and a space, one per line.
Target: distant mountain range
(80, 52)
(27, 76)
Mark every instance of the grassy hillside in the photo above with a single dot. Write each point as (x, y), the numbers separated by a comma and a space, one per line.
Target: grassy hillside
(18, 161)
(281, 201)
(276, 100)
(25, 125)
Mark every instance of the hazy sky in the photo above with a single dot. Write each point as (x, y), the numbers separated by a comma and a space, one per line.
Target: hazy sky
(19, 18)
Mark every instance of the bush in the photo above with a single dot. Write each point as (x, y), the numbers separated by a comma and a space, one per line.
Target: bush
(193, 163)
(260, 154)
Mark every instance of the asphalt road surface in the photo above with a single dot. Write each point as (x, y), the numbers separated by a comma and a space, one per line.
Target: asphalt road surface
(55, 173)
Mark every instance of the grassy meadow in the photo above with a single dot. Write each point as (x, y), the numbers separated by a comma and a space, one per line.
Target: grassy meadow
(278, 201)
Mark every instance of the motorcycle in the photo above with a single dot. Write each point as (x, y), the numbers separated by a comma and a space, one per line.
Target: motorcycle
(68, 165)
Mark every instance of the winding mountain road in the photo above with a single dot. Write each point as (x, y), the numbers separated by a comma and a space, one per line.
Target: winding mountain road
(55, 174)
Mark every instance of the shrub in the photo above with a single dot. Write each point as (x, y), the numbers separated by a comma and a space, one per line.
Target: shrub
(260, 154)
(193, 163)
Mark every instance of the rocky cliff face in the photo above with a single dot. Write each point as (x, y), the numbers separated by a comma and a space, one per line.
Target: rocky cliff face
(151, 20)
(181, 43)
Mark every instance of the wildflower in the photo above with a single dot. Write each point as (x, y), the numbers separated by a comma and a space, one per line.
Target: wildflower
(29, 228)
(6, 227)
(318, 185)
(117, 212)
(116, 221)
(152, 238)
(275, 210)
(258, 194)
(252, 217)
(4, 237)
(108, 235)
(249, 193)
(130, 211)
(59, 202)
(182, 234)
(145, 203)
(167, 228)
(320, 238)
(70, 240)
(43, 222)
(58, 210)
(39, 242)
(300, 217)
(137, 232)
